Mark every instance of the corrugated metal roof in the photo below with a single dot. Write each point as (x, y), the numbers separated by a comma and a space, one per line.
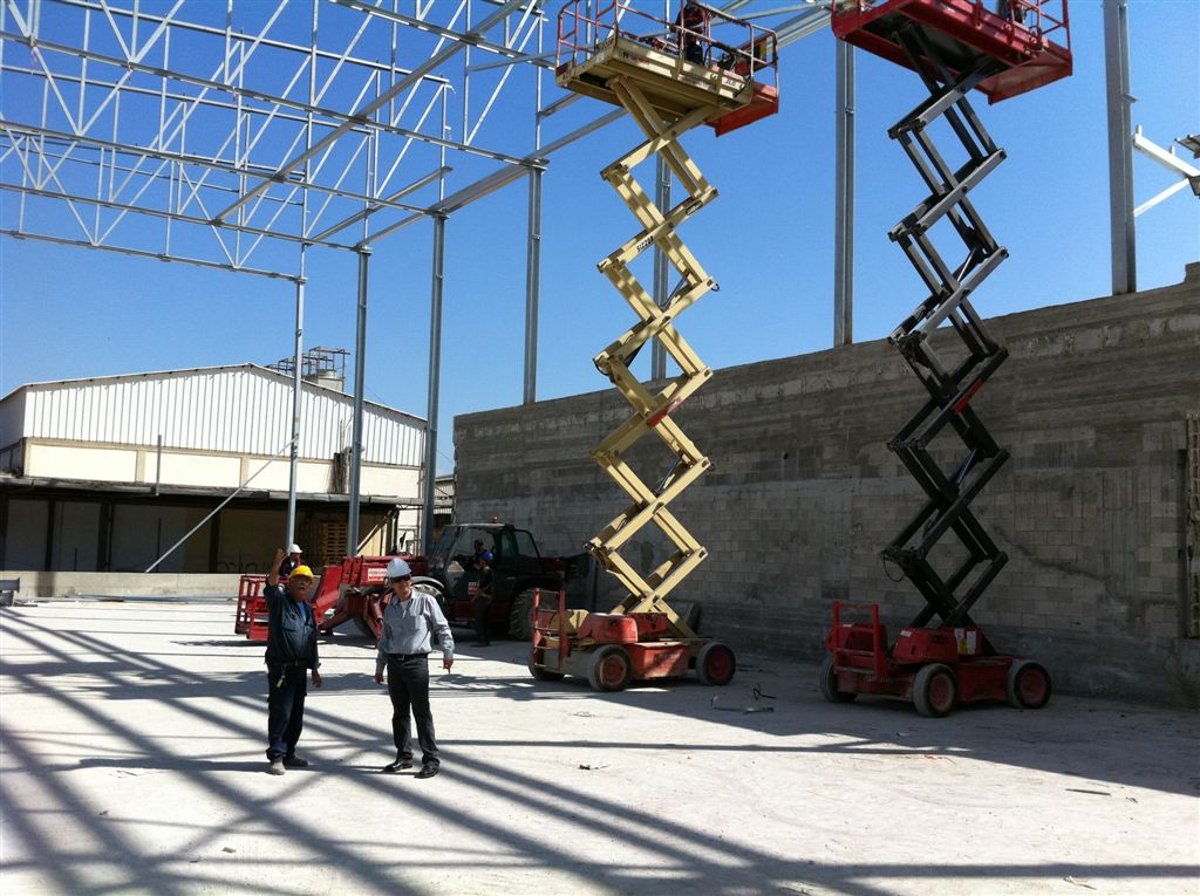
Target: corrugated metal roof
(242, 409)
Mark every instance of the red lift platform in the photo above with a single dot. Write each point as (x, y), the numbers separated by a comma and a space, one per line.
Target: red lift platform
(943, 658)
(962, 32)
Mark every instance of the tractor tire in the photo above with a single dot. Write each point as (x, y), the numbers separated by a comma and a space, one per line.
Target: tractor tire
(426, 587)
(610, 669)
(430, 588)
(520, 616)
(715, 664)
(935, 690)
(827, 682)
(364, 628)
(1028, 685)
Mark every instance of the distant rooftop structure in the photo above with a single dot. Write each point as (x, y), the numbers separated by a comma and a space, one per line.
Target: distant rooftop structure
(321, 365)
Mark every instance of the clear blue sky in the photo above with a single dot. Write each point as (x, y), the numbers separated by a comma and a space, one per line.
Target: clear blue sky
(768, 239)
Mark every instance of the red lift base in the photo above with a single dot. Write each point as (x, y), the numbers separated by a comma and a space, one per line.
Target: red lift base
(935, 668)
(612, 650)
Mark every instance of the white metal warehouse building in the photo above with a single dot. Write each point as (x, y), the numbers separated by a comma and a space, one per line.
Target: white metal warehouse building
(107, 473)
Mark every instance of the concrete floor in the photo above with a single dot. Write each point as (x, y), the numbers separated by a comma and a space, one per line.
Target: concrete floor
(132, 737)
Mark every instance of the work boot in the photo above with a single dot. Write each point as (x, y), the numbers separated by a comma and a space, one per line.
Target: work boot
(294, 761)
(276, 767)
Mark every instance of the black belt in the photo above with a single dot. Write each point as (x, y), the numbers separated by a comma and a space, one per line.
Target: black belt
(290, 664)
(407, 656)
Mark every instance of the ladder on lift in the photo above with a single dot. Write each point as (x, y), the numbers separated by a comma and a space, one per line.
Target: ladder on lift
(955, 46)
(668, 92)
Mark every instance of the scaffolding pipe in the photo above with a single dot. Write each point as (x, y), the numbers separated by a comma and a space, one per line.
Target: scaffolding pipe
(360, 366)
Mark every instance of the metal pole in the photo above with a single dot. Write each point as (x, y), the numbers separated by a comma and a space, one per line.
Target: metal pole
(297, 393)
(1120, 148)
(843, 213)
(533, 277)
(533, 249)
(435, 366)
(360, 366)
(662, 197)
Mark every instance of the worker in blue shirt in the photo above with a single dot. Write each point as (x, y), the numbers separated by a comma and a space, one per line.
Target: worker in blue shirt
(291, 652)
(409, 620)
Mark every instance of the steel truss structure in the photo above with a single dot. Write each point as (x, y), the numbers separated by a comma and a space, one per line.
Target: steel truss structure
(236, 136)
(218, 134)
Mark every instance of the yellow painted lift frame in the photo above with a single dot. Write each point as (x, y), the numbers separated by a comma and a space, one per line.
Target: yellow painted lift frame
(666, 95)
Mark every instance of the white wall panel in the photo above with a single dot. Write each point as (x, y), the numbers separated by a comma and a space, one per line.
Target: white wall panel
(12, 418)
(81, 462)
(239, 410)
(390, 481)
(201, 470)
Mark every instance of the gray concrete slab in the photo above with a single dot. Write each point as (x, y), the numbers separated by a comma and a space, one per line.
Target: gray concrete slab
(132, 762)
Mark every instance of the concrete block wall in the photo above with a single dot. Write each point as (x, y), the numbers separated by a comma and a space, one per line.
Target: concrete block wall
(803, 492)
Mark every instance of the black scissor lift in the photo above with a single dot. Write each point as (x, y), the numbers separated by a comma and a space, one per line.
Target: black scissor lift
(943, 658)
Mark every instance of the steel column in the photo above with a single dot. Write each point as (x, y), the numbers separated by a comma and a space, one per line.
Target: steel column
(1120, 151)
(843, 215)
(533, 280)
(297, 393)
(435, 369)
(662, 198)
(360, 365)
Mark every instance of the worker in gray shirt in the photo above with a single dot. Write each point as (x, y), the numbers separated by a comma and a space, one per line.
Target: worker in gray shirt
(409, 620)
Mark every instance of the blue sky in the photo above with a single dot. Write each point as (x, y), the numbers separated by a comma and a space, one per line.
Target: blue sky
(768, 239)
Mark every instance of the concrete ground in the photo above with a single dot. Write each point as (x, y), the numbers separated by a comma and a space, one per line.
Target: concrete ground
(132, 737)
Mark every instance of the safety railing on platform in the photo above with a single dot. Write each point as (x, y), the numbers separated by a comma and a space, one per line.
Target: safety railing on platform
(752, 51)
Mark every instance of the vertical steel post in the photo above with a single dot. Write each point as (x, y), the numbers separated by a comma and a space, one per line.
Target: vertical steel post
(360, 366)
(662, 198)
(533, 277)
(1120, 149)
(533, 250)
(297, 393)
(435, 368)
(843, 214)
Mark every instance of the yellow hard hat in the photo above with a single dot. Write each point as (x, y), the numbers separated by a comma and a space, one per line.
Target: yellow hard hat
(302, 572)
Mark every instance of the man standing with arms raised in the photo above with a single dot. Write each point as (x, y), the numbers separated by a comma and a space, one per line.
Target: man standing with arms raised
(409, 620)
(291, 652)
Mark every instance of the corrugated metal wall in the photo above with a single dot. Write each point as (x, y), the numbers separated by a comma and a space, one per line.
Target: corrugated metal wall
(240, 410)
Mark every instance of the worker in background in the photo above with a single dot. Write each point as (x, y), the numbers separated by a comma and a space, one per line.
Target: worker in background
(410, 619)
(692, 21)
(291, 652)
(291, 561)
(484, 592)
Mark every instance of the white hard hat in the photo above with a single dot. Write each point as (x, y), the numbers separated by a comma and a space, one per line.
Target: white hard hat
(295, 549)
(397, 568)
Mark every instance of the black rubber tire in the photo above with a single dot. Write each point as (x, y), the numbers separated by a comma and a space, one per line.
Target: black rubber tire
(520, 616)
(827, 682)
(935, 690)
(1028, 685)
(716, 664)
(541, 673)
(610, 669)
(433, 591)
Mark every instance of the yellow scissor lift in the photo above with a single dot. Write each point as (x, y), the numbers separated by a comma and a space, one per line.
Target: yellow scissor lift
(670, 77)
